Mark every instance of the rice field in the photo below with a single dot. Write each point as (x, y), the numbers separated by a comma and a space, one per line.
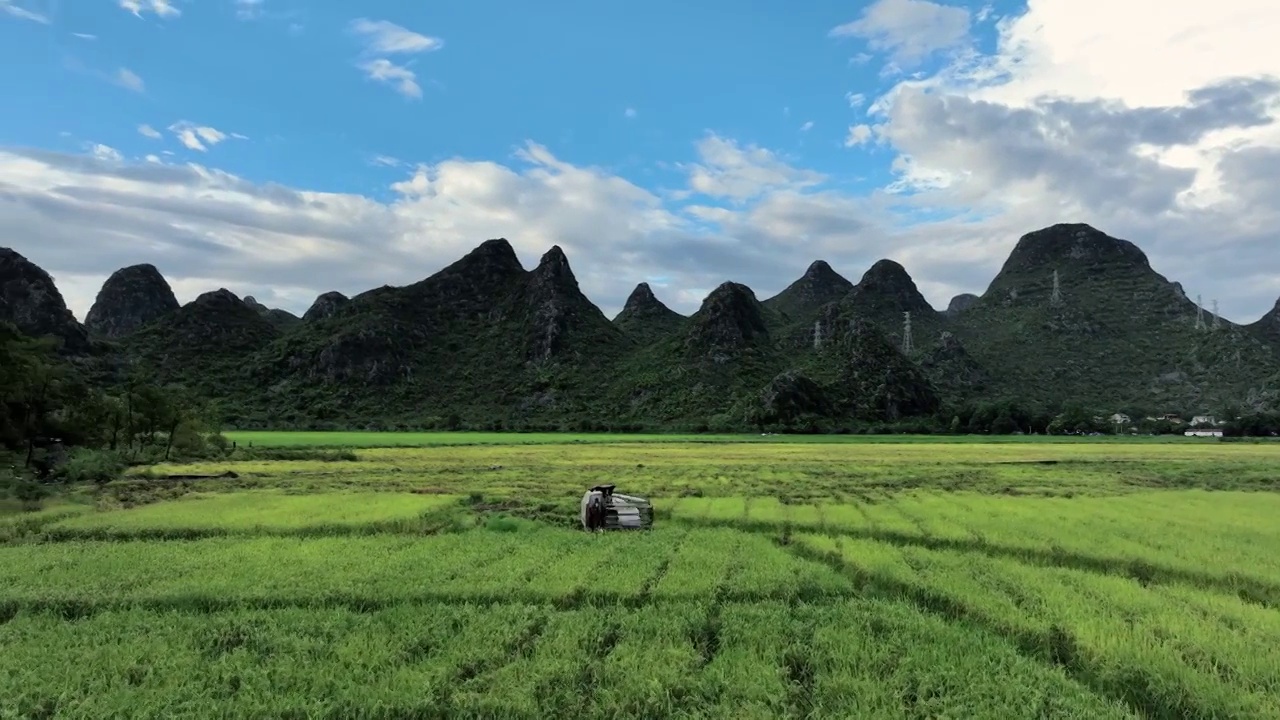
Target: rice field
(787, 580)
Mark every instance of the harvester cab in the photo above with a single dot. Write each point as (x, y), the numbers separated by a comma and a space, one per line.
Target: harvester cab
(603, 509)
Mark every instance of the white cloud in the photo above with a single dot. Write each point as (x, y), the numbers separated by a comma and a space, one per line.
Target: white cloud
(205, 228)
(105, 152)
(861, 59)
(128, 79)
(1171, 154)
(399, 77)
(148, 131)
(807, 126)
(85, 36)
(856, 100)
(161, 8)
(728, 170)
(388, 38)
(629, 112)
(197, 137)
(248, 9)
(385, 161)
(858, 135)
(1161, 125)
(8, 7)
(909, 29)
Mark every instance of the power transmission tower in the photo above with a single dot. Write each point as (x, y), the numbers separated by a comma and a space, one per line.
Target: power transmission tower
(1055, 300)
(907, 346)
(1199, 314)
(1216, 322)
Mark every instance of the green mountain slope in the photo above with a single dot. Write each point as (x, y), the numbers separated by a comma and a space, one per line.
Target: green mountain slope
(485, 343)
(482, 338)
(1118, 334)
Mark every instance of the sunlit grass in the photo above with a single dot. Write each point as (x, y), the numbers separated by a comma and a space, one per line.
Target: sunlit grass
(842, 578)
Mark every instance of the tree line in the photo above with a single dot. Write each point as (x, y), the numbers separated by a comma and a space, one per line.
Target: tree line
(56, 424)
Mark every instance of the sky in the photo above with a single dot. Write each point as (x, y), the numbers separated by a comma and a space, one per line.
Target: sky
(285, 148)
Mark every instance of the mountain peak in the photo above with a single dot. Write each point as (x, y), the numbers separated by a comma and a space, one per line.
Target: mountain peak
(961, 302)
(641, 295)
(325, 306)
(645, 316)
(1073, 244)
(497, 248)
(887, 287)
(221, 296)
(553, 271)
(491, 262)
(642, 300)
(887, 271)
(555, 264)
(130, 298)
(730, 318)
(31, 301)
(820, 271)
(282, 319)
(818, 286)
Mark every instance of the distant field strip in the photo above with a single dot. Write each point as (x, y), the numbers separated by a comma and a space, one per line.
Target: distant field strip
(257, 512)
(302, 438)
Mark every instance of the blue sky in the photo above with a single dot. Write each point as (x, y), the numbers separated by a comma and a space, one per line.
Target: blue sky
(686, 142)
(564, 73)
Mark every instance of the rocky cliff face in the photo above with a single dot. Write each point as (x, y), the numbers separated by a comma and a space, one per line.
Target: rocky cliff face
(31, 301)
(131, 298)
(560, 320)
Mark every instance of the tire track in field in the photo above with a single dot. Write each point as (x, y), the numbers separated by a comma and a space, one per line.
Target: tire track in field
(592, 671)
(1055, 647)
(645, 594)
(801, 672)
(1254, 591)
(706, 636)
(472, 671)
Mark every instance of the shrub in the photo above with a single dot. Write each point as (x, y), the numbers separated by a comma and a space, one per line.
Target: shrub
(96, 466)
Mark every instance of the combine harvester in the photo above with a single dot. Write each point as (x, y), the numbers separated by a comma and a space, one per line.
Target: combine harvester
(602, 509)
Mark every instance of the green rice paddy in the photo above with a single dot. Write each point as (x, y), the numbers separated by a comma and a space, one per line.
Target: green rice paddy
(787, 579)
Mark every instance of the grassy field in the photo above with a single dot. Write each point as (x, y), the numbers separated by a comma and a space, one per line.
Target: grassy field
(786, 579)
(256, 438)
